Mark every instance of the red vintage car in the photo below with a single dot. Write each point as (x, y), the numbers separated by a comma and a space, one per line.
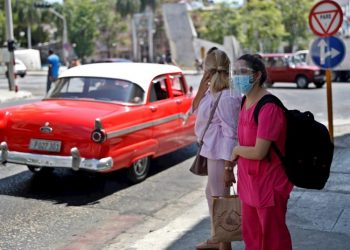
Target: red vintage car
(101, 117)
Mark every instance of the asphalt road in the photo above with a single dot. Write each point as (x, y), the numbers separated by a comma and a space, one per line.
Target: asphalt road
(70, 209)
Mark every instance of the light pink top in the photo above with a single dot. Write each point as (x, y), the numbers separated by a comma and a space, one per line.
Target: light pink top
(259, 180)
(221, 135)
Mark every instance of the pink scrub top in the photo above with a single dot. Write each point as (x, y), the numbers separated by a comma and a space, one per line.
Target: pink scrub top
(259, 180)
(221, 135)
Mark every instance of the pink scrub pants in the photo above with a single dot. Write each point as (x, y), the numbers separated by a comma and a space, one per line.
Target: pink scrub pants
(265, 228)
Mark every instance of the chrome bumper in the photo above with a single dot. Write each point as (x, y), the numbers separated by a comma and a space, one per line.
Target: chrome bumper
(74, 161)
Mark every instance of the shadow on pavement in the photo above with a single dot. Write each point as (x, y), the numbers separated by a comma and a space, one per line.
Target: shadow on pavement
(64, 186)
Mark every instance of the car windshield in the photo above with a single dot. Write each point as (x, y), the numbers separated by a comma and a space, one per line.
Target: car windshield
(104, 89)
(296, 59)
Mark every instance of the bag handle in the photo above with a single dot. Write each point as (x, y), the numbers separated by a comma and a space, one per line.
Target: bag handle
(210, 117)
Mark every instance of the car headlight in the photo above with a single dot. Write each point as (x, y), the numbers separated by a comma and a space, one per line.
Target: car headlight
(317, 72)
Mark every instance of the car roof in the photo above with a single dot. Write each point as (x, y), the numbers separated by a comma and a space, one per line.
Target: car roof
(114, 59)
(139, 73)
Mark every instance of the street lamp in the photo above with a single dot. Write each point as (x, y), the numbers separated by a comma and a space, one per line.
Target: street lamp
(65, 34)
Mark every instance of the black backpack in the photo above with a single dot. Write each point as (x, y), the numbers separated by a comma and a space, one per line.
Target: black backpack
(308, 149)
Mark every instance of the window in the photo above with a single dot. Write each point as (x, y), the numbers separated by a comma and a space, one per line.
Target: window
(104, 89)
(159, 90)
(177, 84)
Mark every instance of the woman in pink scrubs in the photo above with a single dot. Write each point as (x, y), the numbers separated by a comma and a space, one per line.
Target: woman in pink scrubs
(221, 135)
(263, 186)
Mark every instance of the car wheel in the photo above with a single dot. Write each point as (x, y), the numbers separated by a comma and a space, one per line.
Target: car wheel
(319, 84)
(138, 171)
(40, 170)
(302, 82)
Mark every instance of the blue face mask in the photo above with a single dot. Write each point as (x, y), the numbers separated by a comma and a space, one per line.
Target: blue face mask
(243, 83)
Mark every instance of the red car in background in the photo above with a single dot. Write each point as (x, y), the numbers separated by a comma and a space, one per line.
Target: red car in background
(288, 67)
(101, 117)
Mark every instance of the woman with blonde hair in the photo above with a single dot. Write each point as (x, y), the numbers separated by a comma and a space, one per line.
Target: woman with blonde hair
(221, 136)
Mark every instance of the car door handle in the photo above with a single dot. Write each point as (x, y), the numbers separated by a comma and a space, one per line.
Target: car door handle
(178, 101)
(153, 108)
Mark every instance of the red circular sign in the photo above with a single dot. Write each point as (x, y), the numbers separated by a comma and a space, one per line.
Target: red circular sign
(325, 18)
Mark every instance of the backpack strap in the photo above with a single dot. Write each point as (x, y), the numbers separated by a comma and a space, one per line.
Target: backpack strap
(269, 98)
(266, 99)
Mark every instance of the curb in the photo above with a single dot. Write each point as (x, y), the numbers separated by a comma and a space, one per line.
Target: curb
(7, 96)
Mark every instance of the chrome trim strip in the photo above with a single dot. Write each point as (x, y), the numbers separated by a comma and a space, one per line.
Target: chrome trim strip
(144, 125)
(74, 161)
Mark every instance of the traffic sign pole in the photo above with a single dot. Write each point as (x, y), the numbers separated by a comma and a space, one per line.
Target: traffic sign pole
(329, 102)
(325, 19)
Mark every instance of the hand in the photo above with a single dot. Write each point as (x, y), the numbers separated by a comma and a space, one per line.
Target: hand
(234, 155)
(229, 177)
(205, 79)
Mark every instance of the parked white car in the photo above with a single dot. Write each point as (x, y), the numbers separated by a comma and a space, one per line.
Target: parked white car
(20, 68)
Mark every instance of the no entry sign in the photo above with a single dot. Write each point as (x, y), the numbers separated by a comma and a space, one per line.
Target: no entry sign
(325, 18)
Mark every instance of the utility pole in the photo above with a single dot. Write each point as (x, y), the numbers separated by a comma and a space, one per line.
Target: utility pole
(45, 5)
(10, 45)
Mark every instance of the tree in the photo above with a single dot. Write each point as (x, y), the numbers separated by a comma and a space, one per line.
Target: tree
(295, 16)
(110, 24)
(82, 29)
(262, 26)
(257, 25)
(131, 7)
(2, 24)
(29, 20)
(216, 24)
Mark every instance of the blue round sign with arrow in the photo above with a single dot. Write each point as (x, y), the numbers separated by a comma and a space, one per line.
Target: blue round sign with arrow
(327, 52)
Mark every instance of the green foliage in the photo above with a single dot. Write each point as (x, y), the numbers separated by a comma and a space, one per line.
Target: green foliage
(110, 24)
(128, 7)
(2, 27)
(214, 25)
(295, 16)
(131, 7)
(262, 26)
(82, 29)
(26, 16)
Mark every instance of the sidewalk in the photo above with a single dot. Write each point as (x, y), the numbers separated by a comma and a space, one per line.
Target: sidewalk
(7, 96)
(318, 220)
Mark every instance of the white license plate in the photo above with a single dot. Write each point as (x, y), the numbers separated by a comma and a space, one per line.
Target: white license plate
(45, 145)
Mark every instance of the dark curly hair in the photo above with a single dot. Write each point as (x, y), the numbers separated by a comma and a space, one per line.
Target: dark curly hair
(255, 62)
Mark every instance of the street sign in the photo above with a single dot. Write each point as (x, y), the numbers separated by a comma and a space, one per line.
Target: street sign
(325, 18)
(327, 52)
